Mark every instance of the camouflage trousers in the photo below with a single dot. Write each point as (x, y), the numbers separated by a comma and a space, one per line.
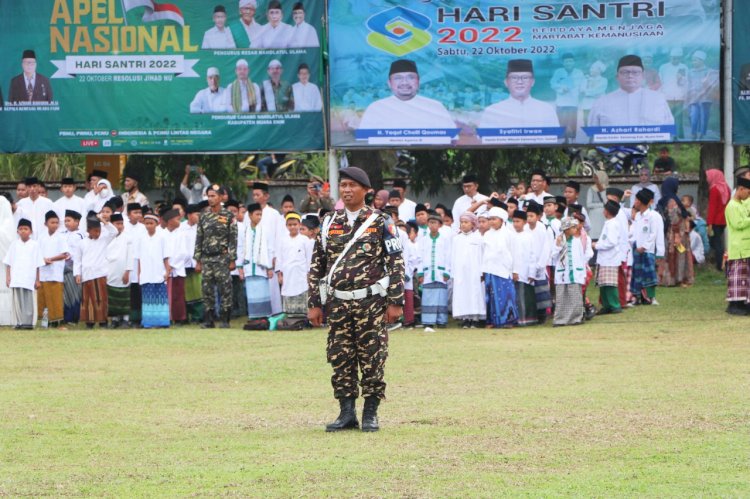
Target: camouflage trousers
(357, 341)
(216, 280)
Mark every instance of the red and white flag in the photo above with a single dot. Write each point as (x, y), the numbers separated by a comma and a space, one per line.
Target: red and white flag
(156, 11)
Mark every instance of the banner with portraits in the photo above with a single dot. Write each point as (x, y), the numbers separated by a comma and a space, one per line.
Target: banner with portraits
(741, 73)
(110, 76)
(477, 72)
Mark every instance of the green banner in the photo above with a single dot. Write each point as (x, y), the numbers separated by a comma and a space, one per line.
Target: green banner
(101, 76)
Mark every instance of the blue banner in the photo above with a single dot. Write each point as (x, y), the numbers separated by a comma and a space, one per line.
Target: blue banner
(523, 72)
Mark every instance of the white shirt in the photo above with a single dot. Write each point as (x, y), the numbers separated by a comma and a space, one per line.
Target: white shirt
(497, 258)
(177, 251)
(520, 244)
(608, 247)
(216, 38)
(539, 198)
(293, 263)
(418, 112)
(119, 260)
(303, 35)
(274, 38)
(34, 212)
(75, 203)
(406, 210)
(511, 112)
(52, 246)
(206, 101)
(462, 204)
(306, 97)
(638, 187)
(642, 107)
(151, 253)
(541, 248)
(643, 232)
(190, 233)
(673, 80)
(23, 258)
(90, 261)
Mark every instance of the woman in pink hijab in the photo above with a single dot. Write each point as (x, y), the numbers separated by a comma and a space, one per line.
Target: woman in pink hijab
(718, 197)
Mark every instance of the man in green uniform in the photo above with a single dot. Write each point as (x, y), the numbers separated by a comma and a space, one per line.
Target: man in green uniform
(215, 256)
(358, 273)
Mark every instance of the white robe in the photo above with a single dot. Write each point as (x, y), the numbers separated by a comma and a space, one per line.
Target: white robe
(511, 113)
(307, 97)
(620, 108)
(293, 264)
(304, 35)
(393, 113)
(206, 101)
(520, 245)
(119, 260)
(34, 211)
(215, 38)
(75, 203)
(541, 249)
(497, 258)
(274, 38)
(466, 261)
(608, 247)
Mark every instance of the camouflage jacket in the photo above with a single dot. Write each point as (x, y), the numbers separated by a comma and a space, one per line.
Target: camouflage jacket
(216, 235)
(374, 255)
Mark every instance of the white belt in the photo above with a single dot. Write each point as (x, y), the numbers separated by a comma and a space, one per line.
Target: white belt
(379, 288)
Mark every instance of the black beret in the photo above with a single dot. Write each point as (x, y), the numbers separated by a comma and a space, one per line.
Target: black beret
(116, 217)
(630, 60)
(419, 207)
(519, 214)
(470, 179)
(614, 191)
(134, 207)
(28, 54)
(573, 184)
(612, 207)
(220, 8)
(261, 186)
(645, 196)
(533, 207)
(68, 181)
(356, 174)
(72, 214)
(403, 66)
(50, 214)
(520, 66)
(24, 222)
(254, 207)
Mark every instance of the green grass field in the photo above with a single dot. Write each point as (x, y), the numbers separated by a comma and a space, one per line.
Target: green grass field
(653, 402)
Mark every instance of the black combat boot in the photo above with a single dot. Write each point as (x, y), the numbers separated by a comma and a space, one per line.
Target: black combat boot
(208, 321)
(347, 419)
(370, 414)
(225, 320)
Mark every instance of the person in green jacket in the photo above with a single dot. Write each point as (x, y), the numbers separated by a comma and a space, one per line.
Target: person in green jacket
(737, 214)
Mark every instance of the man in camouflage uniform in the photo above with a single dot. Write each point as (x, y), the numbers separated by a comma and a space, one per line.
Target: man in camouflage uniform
(215, 255)
(366, 292)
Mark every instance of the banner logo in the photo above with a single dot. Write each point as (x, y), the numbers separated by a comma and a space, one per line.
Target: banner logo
(398, 31)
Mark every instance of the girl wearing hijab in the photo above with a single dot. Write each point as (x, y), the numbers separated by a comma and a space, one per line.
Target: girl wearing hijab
(677, 266)
(718, 197)
(595, 199)
(380, 199)
(103, 193)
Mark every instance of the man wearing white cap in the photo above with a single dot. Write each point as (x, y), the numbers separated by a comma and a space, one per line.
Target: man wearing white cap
(242, 96)
(673, 76)
(276, 34)
(702, 91)
(405, 109)
(218, 37)
(246, 30)
(212, 98)
(276, 95)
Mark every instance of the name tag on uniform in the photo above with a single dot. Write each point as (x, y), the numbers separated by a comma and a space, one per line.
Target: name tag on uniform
(393, 246)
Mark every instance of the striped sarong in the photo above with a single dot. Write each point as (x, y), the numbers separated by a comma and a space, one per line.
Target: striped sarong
(501, 300)
(543, 295)
(569, 307)
(72, 294)
(154, 305)
(118, 301)
(95, 301)
(50, 296)
(738, 280)
(295, 306)
(23, 306)
(258, 291)
(435, 303)
(644, 272)
(526, 303)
